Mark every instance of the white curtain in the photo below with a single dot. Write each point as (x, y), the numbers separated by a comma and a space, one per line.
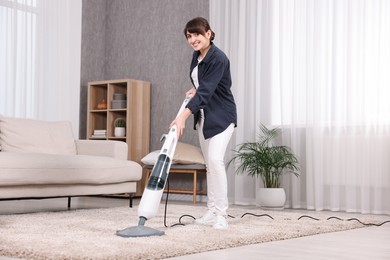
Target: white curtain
(40, 72)
(319, 69)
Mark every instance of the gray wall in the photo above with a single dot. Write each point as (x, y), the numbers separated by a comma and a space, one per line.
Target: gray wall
(141, 39)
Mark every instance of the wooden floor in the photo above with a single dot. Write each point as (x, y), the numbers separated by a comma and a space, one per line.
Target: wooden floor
(365, 243)
(372, 243)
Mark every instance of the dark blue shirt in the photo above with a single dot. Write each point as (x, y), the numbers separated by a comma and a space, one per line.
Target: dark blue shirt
(214, 94)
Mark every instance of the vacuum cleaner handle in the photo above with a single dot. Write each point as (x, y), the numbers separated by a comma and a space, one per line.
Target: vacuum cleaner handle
(184, 104)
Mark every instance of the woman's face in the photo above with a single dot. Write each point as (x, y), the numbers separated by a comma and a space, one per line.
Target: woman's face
(199, 42)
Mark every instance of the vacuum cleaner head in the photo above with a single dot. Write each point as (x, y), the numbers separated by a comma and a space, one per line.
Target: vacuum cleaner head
(139, 231)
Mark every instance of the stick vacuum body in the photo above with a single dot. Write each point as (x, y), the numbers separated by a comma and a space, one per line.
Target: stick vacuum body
(152, 194)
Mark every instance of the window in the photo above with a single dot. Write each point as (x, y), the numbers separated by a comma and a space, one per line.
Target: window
(18, 52)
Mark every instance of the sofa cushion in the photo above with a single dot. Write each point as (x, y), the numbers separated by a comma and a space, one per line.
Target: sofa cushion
(48, 169)
(184, 154)
(36, 136)
(188, 154)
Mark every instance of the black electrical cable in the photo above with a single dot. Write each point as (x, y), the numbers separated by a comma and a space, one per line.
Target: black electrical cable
(350, 219)
(262, 215)
(306, 216)
(365, 224)
(166, 205)
(165, 211)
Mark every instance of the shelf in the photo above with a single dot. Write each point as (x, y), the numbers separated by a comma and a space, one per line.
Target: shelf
(136, 111)
(134, 96)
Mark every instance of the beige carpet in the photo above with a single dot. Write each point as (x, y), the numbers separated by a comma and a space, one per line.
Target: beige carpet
(90, 233)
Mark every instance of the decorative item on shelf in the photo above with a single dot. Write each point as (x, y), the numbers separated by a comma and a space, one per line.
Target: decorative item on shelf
(120, 127)
(102, 104)
(269, 162)
(99, 134)
(119, 101)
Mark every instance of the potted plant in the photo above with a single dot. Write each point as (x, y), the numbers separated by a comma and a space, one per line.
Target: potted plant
(120, 127)
(268, 161)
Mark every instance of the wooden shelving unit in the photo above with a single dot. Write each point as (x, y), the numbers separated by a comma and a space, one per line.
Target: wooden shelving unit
(136, 111)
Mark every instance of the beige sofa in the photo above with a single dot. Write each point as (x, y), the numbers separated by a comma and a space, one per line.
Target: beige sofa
(40, 159)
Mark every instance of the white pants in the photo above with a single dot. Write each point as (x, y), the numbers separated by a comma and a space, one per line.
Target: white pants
(213, 150)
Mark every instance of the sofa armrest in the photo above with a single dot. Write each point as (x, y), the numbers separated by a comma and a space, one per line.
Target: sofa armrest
(108, 148)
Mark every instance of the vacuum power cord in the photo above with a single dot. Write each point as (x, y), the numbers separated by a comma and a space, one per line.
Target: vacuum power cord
(262, 215)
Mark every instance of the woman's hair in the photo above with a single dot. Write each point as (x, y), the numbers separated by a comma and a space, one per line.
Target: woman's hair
(198, 25)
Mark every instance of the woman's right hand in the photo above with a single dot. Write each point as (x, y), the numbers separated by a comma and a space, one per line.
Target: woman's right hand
(191, 92)
(180, 122)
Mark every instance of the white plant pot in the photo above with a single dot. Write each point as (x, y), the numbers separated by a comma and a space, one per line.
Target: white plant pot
(273, 198)
(119, 131)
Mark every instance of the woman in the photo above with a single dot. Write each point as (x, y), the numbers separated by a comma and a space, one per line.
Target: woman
(215, 115)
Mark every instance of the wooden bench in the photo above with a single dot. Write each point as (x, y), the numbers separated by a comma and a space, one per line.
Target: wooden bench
(193, 169)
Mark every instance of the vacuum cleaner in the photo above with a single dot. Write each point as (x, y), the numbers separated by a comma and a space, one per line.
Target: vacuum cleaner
(151, 197)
